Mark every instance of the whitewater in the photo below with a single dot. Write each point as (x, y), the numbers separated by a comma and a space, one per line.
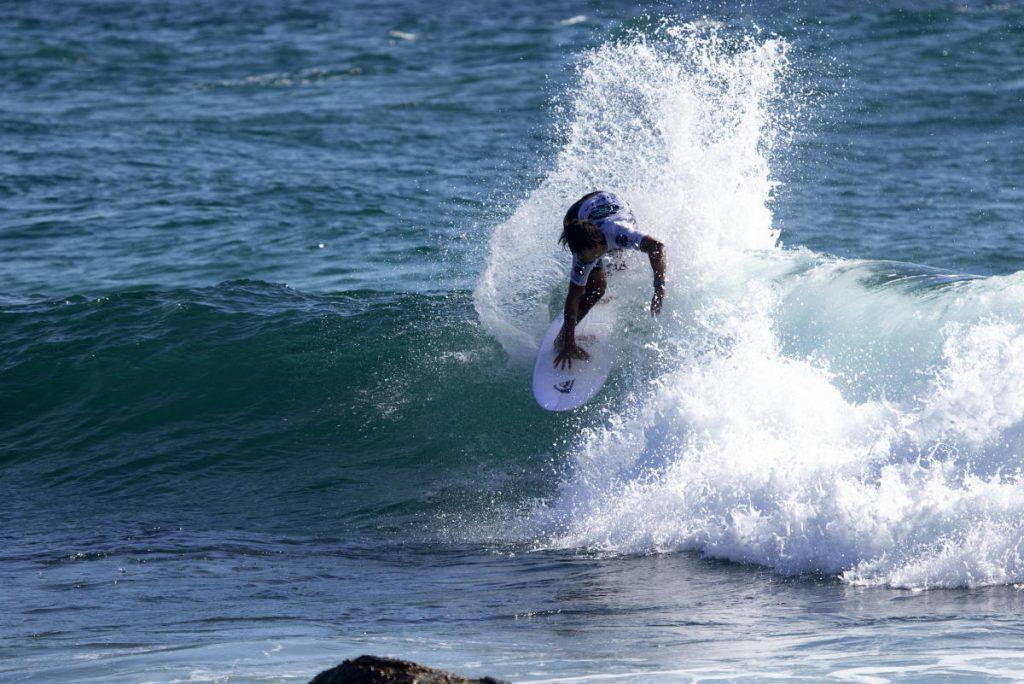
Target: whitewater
(796, 410)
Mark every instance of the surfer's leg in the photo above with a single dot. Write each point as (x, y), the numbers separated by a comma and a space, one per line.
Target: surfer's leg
(595, 290)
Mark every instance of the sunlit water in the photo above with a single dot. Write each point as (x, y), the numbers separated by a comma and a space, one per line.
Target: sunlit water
(273, 278)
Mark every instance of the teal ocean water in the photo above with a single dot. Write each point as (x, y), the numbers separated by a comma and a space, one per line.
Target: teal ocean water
(273, 277)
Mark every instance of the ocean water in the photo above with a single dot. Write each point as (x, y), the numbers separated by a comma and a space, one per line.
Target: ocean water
(272, 276)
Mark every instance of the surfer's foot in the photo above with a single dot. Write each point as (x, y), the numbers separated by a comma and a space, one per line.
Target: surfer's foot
(559, 338)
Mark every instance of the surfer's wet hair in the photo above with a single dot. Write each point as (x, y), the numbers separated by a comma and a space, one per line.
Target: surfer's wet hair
(579, 235)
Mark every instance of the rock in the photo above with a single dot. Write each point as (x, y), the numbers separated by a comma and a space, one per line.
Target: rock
(373, 670)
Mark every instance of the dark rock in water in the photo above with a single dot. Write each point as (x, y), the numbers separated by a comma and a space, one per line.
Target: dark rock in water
(372, 670)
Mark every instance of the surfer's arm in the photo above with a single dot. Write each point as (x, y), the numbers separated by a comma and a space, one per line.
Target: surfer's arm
(572, 314)
(567, 349)
(656, 253)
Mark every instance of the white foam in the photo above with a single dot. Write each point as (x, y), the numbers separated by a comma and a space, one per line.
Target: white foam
(650, 121)
(809, 414)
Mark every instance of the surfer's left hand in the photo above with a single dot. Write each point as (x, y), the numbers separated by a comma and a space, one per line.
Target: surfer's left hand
(657, 299)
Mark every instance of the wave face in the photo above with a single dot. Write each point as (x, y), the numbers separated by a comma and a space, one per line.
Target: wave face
(245, 401)
(790, 409)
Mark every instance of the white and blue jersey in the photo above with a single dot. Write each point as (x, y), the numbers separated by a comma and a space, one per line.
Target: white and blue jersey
(615, 220)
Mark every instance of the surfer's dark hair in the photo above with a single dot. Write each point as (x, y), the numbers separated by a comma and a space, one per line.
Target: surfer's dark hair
(579, 235)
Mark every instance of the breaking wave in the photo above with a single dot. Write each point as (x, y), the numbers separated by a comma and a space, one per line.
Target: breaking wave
(811, 414)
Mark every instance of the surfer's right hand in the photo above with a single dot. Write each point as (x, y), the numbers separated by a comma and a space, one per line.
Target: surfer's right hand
(574, 351)
(657, 299)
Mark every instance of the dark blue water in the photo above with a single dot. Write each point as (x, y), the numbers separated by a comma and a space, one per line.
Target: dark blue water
(271, 280)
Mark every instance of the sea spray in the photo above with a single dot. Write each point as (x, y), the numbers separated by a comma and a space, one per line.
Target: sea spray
(681, 124)
(809, 414)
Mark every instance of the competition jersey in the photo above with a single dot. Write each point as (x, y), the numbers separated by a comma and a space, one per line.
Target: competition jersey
(615, 220)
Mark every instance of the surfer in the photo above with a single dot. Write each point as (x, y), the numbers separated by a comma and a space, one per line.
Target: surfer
(596, 223)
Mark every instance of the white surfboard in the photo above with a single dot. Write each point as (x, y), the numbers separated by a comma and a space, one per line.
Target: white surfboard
(565, 389)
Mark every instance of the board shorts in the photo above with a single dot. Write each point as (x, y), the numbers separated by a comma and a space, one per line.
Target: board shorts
(616, 221)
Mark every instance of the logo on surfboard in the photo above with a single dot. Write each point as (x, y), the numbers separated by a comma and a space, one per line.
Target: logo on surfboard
(565, 387)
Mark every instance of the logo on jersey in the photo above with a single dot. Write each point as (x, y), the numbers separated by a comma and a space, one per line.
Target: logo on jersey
(622, 240)
(602, 211)
(565, 387)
